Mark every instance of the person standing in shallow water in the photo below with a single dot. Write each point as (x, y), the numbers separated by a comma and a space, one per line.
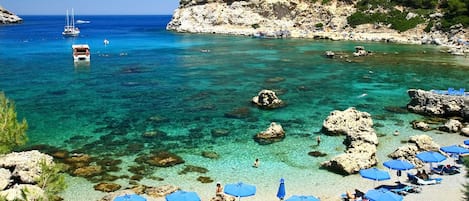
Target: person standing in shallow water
(219, 190)
(256, 163)
(318, 139)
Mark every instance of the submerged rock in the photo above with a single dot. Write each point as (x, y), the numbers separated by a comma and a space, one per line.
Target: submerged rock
(107, 187)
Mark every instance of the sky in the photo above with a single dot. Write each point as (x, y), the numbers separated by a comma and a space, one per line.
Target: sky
(91, 7)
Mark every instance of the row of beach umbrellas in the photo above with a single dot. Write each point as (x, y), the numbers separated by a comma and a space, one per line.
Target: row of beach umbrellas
(237, 190)
(402, 165)
(240, 189)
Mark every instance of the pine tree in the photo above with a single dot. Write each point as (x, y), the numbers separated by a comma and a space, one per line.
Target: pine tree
(12, 132)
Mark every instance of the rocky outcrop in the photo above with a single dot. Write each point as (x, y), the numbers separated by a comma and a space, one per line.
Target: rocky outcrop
(452, 126)
(437, 104)
(267, 99)
(7, 17)
(361, 141)
(415, 145)
(19, 172)
(303, 19)
(249, 17)
(25, 165)
(272, 134)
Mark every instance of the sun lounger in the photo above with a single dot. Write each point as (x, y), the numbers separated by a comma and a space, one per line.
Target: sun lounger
(401, 189)
(445, 170)
(417, 180)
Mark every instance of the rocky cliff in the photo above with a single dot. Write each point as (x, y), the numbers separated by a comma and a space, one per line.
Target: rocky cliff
(299, 18)
(7, 17)
(270, 17)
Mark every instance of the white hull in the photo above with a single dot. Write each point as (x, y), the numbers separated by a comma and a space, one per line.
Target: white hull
(69, 29)
(81, 53)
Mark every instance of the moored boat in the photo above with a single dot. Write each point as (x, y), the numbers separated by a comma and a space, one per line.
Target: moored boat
(69, 29)
(81, 53)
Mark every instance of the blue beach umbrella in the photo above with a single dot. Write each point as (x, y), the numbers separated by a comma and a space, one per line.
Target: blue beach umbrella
(240, 190)
(431, 157)
(281, 189)
(375, 174)
(466, 142)
(398, 164)
(302, 198)
(183, 196)
(382, 195)
(131, 197)
(454, 149)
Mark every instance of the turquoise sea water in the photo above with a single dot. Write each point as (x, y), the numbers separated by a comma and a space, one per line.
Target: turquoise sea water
(148, 73)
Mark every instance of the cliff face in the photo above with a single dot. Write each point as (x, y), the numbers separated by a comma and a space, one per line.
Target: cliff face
(7, 17)
(298, 17)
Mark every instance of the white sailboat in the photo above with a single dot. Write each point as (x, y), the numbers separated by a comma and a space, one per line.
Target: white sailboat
(69, 29)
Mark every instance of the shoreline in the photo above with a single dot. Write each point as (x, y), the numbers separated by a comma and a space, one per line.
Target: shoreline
(298, 181)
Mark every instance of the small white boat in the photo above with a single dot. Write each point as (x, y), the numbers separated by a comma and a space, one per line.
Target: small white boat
(81, 53)
(83, 22)
(69, 29)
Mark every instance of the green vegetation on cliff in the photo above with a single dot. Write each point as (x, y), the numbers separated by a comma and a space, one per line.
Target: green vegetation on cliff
(12, 132)
(396, 13)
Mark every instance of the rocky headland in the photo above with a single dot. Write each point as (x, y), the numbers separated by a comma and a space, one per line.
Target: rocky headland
(7, 17)
(303, 19)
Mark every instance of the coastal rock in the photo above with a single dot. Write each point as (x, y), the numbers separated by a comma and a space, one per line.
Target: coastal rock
(272, 134)
(267, 99)
(360, 51)
(465, 131)
(25, 165)
(107, 187)
(350, 120)
(420, 125)
(302, 19)
(452, 126)
(353, 160)
(361, 141)
(424, 143)
(18, 192)
(88, 171)
(7, 17)
(161, 191)
(164, 159)
(438, 104)
(5, 178)
(416, 144)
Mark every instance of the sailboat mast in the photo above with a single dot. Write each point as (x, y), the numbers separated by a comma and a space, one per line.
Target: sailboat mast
(73, 19)
(67, 20)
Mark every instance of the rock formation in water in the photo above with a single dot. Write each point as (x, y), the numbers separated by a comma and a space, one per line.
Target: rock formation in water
(361, 141)
(438, 104)
(7, 17)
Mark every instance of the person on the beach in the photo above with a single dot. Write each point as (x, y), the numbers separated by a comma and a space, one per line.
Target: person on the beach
(350, 196)
(396, 132)
(318, 139)
(256, 163)
(424, 175)
(219, 189)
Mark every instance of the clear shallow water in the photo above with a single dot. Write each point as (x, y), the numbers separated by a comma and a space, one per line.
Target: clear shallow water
(148, 72)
